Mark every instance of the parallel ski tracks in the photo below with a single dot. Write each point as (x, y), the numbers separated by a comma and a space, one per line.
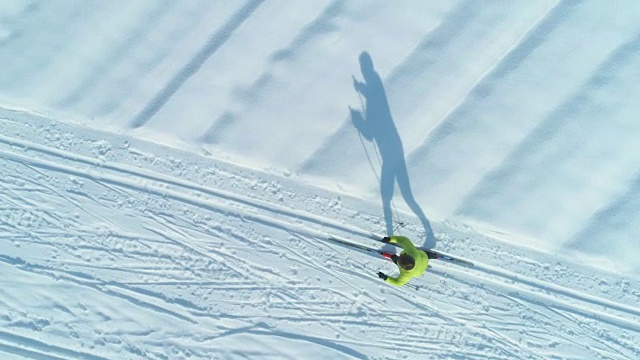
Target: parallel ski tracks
(301, 224)
(239, 206)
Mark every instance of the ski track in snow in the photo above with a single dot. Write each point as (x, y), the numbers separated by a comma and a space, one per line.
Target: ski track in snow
(215, 255)
(115, 247)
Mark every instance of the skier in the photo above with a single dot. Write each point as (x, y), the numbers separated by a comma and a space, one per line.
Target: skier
(412, 262)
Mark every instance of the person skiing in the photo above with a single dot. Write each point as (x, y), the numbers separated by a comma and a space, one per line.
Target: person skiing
(412, 261)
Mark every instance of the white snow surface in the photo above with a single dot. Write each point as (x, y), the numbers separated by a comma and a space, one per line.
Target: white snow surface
(170, 172)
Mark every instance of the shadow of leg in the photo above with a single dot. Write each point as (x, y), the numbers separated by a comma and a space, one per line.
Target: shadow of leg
(405, 190)
(386, 191)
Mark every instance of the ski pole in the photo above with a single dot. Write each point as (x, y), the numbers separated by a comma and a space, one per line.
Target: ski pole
(414, 287)
(400, 224)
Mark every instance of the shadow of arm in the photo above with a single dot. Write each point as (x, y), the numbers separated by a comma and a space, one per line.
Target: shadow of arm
(359, 123)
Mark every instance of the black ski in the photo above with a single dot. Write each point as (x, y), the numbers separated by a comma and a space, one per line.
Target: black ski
(442, 256)
(449, 258)
(354, 245)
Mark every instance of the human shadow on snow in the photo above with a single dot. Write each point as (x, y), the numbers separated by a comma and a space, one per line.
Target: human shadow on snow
(376, 124)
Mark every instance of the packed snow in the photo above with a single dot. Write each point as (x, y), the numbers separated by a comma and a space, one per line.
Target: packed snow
(170, 172)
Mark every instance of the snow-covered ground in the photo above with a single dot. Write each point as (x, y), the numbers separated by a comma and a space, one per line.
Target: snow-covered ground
(169, 173)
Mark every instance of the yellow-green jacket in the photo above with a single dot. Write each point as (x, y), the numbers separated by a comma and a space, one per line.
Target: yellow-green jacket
(421, 258)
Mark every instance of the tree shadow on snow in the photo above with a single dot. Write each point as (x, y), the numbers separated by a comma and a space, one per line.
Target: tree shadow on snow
(376, 124)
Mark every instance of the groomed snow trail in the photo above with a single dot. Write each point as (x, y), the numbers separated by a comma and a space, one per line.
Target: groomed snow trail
(113, 247)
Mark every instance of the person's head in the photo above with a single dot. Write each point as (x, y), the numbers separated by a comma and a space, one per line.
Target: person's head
(366, 65)
(406, 262)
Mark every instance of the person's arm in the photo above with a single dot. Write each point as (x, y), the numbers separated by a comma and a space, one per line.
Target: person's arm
(403, 242)
(398, 281)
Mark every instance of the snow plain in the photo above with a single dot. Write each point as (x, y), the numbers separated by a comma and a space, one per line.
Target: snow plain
(169, 172)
